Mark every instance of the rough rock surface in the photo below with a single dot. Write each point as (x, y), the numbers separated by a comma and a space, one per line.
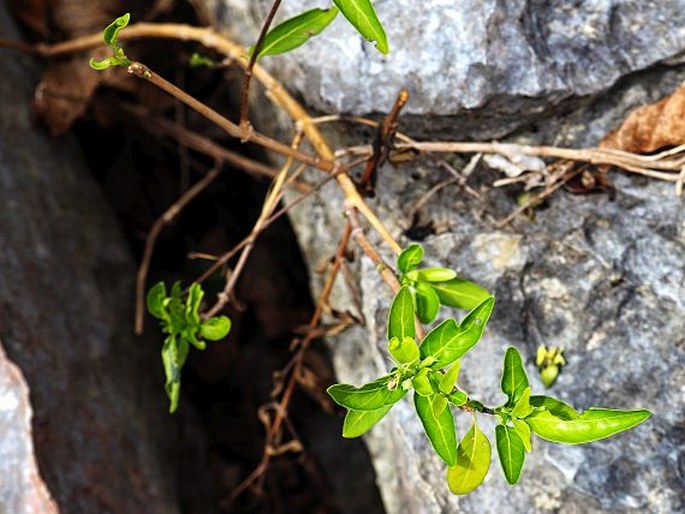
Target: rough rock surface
(604, 279)
(492, 59)
(99, 425)
(22, 491)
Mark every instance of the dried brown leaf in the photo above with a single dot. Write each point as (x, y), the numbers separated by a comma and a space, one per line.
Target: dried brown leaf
(651, 127)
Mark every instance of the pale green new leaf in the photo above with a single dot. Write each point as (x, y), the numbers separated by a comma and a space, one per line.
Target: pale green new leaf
(215, 328)
(522, 407)
(511, 452)
(363, 17)
(296, 31)
(371, 396)
(439, 427)
(403, 351)
(460, 293)
(401, 317)
(410, 257)
(193, 302)
(431, 274)
(591, 425)
(449, 379)
(523, 431)
(155, 300)
(514, 380)
(473, 462)
(358, 422)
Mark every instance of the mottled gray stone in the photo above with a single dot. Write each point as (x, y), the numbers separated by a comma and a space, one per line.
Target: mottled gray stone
(604, 279)
(487, 60)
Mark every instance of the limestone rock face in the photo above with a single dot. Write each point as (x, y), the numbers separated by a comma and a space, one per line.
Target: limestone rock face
(99, 428)
(603, 279)
(491, 59)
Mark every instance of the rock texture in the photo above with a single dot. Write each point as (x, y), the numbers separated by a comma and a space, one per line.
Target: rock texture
(22, 491)
(604, 279)
(492, 59)
(99, 427)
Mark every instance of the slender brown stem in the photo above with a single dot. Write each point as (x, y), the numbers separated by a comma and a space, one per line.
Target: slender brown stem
(152, 236)
(244, 95)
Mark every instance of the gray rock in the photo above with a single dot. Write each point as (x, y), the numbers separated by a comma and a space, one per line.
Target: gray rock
(490, 61)
(603, 279)
(100, 433)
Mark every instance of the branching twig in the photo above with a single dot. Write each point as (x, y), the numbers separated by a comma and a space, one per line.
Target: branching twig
(152, 236)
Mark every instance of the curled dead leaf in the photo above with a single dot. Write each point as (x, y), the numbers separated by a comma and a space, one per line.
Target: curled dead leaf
(651, 127)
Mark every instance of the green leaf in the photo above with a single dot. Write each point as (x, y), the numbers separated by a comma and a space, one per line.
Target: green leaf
(296, 31)
(215, 328)
(193, 301)
(439, 428)
(401, 317)
(556, 407)
(362, 16)
(523, 431)
(511, 452)
(155, 300)
(473, 462)
(371, 396)
(427, 303)
(460, 293)
(403, 351)
(111, 33)
(198, 60)
(522, 407)
(591, 425)
(457, 398)
(174, 355)
(410, 257)
(514, 380)
(358, 422)
(449, 379)
(439, 403)
(431, 275)
(422, 384)
(448, 342)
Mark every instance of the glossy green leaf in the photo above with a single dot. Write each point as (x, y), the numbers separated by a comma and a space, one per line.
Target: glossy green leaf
(371, 396)
(449, 379)
(296, 31)
(403, 351)
(556, 407)
(410, 257)
(155, 300)
(439, 403)
(427, 303)
(523, 431)
(460, 293)
(358, 422)
(511, 452)
(439, 428)
(193, 302)
(522, 407)
(432, 274)
(363, 17)
(401, 317)
(514, 380)
(448, 342)
(457, 398)
(591, 425)
(215, 328)
(473, 462)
